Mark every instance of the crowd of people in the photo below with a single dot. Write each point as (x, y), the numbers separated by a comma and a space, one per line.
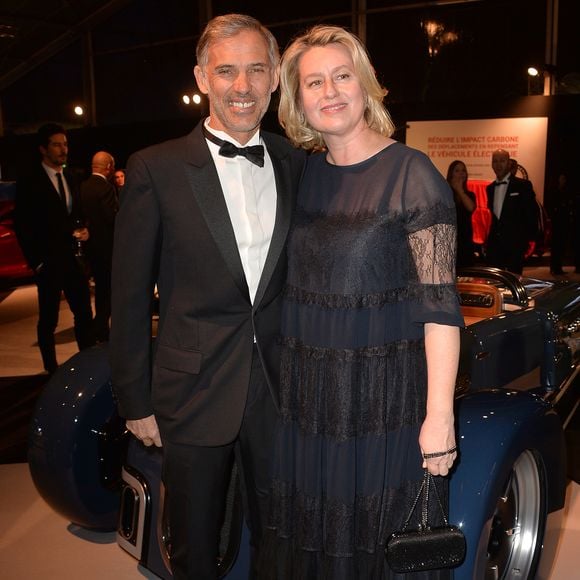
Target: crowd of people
(65, 229)
(519, 225)
(308, 315)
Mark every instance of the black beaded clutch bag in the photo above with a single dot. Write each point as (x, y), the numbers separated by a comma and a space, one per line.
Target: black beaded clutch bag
(427, 548)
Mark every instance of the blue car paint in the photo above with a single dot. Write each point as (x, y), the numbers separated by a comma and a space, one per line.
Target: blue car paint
(75, 444)
(496, 357)
(494, 428)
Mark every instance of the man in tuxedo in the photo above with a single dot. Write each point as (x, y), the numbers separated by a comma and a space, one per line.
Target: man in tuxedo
(208, 223)
(47, 218)
(99, 205)
(512, 203)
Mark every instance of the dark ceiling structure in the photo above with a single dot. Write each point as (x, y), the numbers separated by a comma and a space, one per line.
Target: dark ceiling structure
(73, 34)
(33, 31)
(123, 58)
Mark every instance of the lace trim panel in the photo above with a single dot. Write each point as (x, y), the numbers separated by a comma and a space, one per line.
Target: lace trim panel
(416, 218)
(346, 393)
(418, 293)
(341, 529)
(422, 218)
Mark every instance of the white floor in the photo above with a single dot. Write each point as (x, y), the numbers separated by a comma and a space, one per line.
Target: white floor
(37, 543)
(567, 562)
(19, 354)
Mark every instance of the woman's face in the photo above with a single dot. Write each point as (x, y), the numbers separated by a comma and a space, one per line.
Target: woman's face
(459, 173)
(332, 97)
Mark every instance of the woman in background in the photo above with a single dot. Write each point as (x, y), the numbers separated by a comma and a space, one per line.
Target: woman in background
(465, 206)
(370, 323)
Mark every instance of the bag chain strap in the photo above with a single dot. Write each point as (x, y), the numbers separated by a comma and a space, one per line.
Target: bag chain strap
(425, 484)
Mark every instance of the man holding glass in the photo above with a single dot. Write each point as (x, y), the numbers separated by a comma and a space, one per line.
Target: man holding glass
(45, 216)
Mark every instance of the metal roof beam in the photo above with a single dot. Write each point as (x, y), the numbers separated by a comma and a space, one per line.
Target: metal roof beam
(62, 41)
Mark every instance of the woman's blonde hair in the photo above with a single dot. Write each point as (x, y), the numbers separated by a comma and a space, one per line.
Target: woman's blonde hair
(290, 111)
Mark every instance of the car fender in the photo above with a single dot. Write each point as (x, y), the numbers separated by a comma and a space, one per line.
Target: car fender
(76, 442)
(494, 427)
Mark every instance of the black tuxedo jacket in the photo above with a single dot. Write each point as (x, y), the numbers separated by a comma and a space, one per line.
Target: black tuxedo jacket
(42, 225)
(99, 207)
(173, 229)
(509, 236)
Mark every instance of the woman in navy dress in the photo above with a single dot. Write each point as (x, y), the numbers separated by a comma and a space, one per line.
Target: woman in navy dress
(370, 323)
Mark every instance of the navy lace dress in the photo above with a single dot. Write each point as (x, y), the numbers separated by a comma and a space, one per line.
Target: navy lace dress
(371, 259)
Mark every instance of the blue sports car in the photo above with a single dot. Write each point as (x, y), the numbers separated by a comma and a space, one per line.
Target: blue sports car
(517, 391)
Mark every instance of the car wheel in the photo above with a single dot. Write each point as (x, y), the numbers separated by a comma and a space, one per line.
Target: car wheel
(517, 527)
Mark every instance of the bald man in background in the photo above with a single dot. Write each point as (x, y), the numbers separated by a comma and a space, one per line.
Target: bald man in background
(512, 203)
(100, 204)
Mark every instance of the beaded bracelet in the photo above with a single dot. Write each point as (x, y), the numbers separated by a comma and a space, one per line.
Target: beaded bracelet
(439, 453)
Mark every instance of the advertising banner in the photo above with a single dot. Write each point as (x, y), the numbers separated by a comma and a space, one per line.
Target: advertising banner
(473, 142)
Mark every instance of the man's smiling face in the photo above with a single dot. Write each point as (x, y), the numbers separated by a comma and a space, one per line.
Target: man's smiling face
(238, 80)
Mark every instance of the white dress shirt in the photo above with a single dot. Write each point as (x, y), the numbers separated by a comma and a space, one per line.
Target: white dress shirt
(52, 176)
(250, 195)
(499, 194)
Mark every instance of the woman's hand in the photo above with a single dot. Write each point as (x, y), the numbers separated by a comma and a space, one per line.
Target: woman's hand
(436, 438)
(456, 183)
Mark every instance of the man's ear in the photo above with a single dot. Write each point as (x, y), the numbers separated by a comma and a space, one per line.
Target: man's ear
(200, 79)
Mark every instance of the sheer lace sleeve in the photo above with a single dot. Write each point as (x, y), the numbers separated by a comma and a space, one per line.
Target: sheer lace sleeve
(431, 237)
(433, 253)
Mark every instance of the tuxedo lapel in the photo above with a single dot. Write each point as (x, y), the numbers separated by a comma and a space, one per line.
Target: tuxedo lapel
(206, 188)
(490, 196)
(54, 201)
(510, 200)
(511, 188)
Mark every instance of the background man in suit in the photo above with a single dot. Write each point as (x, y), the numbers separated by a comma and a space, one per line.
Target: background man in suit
(513, 207)
(47, 214)
(209, 225)
(99, 205)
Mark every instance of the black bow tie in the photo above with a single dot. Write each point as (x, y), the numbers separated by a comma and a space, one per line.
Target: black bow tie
(500, 183)
(254, 153)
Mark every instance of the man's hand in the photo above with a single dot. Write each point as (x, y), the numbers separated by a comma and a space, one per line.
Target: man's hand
(145, 430)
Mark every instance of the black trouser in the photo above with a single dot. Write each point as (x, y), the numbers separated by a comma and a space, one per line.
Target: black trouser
(508, 255)
(562, 232)
(101, 270)
(196, 480)
(51, 281)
